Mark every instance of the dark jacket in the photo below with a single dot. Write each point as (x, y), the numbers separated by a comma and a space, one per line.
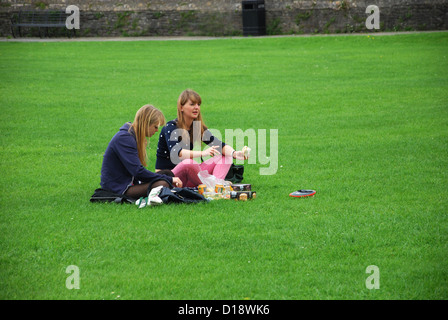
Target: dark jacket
(170, 140)
(121, 164)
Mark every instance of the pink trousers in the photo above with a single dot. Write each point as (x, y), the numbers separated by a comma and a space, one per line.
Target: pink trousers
(188, 169)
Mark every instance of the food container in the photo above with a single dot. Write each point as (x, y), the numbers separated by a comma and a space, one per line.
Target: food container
(213, 195)
(243, 195)
(227, 189)
(242, 187)
(219, 188)
(201, 188)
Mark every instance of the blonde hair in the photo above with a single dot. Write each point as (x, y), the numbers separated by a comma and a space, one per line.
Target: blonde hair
(145, 117)
(186, 95)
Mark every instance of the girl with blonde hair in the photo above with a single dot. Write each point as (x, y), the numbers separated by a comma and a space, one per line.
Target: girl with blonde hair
(177, 139)
(123, 170)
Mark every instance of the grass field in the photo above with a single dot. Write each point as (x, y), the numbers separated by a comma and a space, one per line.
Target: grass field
(361, 119)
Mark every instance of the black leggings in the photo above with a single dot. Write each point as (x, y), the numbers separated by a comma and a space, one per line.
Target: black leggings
(142, 190)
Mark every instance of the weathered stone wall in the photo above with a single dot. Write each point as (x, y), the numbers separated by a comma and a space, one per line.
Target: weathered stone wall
(224, 17)
(350, 16)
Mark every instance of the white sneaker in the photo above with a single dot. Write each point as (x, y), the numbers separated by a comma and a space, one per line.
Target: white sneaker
(155, 191)
(142, 202)
(153, 197)
(154, 201)
(151, 200)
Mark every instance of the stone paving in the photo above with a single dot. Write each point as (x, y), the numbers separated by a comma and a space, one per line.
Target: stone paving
(194, 38)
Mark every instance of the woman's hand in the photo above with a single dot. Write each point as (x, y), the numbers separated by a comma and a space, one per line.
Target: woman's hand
(239, 155)
(177, 182)
(212, 151)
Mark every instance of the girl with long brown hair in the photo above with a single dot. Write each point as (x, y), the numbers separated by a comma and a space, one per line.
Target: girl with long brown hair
(177, 139)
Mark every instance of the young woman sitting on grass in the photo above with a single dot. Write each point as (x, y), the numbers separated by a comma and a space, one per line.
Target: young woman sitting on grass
(123, 170)
(175, 147)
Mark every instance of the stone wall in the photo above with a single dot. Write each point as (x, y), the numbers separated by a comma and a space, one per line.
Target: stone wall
(224, 17)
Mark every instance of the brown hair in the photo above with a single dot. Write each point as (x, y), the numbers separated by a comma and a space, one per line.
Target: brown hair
(144, 118)
(183, 99)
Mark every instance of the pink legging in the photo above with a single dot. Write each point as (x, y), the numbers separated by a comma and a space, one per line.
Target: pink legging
(188, 169)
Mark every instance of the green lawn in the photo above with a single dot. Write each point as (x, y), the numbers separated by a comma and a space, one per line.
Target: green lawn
(363, 120)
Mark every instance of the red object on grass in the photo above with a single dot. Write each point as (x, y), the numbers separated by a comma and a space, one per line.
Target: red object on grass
(302, 193)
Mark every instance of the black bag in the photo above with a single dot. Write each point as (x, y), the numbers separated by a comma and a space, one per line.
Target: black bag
(101, 195)
(180, 195)
(235, 174)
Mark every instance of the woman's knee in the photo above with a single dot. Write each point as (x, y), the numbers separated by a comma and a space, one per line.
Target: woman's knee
(189, 165)
(189, 162)
(158, 183)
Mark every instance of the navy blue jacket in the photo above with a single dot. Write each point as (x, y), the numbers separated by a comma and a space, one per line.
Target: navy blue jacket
(170, 141)
(121, 164)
